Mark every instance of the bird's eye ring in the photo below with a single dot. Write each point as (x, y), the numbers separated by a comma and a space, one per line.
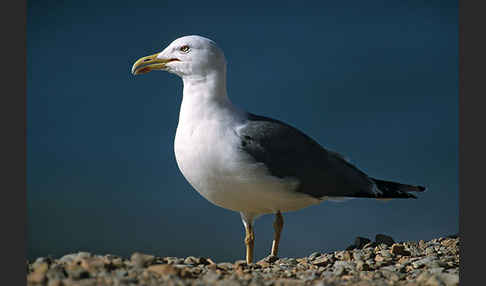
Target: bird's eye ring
(184, 49)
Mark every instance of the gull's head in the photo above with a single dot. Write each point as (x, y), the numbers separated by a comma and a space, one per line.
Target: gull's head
(186, 56)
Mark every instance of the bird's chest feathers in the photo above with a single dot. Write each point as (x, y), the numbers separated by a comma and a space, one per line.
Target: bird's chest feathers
(206, 152)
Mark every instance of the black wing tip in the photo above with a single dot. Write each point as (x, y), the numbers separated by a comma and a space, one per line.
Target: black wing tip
(417, 189)
(402, 195)
(389, 189)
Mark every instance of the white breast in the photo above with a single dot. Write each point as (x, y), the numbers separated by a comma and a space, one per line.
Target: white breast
(208, 156)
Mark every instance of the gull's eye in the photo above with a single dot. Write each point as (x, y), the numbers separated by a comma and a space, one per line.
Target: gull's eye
(184, 49)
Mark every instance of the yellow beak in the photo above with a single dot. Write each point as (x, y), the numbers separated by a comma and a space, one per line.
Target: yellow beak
(149, 63)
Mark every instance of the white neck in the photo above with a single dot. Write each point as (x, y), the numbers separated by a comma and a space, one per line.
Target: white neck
(211, 86)
(204, 97)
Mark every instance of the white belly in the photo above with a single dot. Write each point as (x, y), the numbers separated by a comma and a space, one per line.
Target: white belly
(208, 156)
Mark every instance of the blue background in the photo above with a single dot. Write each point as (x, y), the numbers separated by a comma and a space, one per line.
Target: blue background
(374, 80)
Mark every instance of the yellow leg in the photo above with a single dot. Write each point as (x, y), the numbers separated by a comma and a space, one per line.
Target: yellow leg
(277, 226)
(250, 242)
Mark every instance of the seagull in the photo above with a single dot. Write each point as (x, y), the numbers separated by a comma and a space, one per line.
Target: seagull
(249, 163)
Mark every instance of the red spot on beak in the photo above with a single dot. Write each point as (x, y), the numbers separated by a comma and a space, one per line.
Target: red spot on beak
(144, 70)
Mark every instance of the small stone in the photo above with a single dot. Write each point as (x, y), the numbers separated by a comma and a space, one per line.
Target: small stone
(191, 260)
(404, 260)
(198, 270)
(369, 245)
(391, 275)
(362, 266)
(163, 269)
(429, 250)
(364, 283)
(56, 273)
(302, 267)
(360, 242)
(434, 281)
(263, 263)
(112, 262)
(240, 264)
(398, 249)
(76, 272)
(271, 259)
(342, 263)
(422, 277)
(204, 261)
(54, 282)
(386, 254)
(42, 260)
(423, 262)
(308, 275)
(322, 261)
(449, 279)
(382, 238)
(339, 270)
(344, 255)
(213, 267)
(211, 277)
(173, 260)
(436, 270)
(368, 253)
(185, 273)
(292, 261)
(314, 255)
(120, 273)
(358, 255)
(377, 265)
(225, 265)
(380, 247)
(83, 254)
(302, 260)
(39, 274)
(92, 264)
(141, 260)
(366, 275)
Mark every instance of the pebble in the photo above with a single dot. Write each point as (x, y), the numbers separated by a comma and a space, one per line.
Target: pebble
(39, 273)
(322, 261)
(359, 243)
(422, 262)
(56, 273)
(382, 238)
(76, 272)
(339, 270)
(173, 260)
(399, 249)
(191, 260)
(343, 255)
(163, 269)
(362, 266)
(225, 265)
(379, 262)
(314, 255)
(141, 260)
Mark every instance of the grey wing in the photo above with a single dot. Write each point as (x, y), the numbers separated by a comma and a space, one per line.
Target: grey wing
(287, 152)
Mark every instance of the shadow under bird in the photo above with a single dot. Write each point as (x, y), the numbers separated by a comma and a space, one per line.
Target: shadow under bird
(248, 163)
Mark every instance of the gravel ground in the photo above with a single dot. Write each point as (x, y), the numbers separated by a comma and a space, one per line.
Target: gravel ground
(378, 262)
